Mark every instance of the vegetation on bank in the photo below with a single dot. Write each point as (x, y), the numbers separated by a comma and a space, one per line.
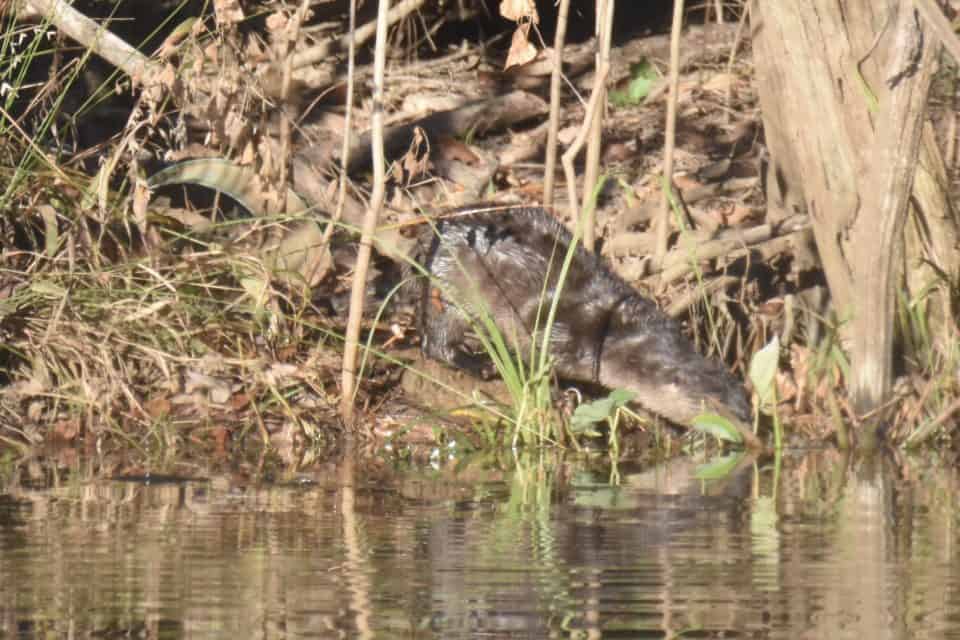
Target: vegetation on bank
(171, 317)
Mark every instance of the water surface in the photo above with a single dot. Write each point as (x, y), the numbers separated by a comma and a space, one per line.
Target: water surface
(821, 547)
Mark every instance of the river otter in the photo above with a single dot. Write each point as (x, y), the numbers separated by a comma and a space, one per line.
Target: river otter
(507, 260)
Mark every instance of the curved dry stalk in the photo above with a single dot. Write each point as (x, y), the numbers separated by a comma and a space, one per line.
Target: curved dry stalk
(369, 220)
(347, 127)
(577, 144)
(663, 222)
(290, 39)
(591, 172)
(550, 161)
(737, 38)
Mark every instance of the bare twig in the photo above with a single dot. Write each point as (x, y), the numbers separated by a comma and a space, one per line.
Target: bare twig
(680, 305)
(348, 121)
(322, 51)
(369, 220)
(550, 161)
(663, 223)
(592, 170)
(733, 56)
(762, 238)
(577, 144)
(291, 34)
(98, 39)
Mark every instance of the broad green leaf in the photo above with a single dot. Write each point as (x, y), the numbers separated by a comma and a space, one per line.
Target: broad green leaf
(590, 413)
(642, 77)
(717, 426)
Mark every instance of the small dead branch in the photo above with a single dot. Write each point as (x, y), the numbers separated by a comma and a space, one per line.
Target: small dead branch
(550, 161)
(591, 172)
(478, 117)
(670, 134)
(348, 122)
(577, 144)
(323, 51)
(369, 221)
(98, 39)
(680, 306)
(681, 261)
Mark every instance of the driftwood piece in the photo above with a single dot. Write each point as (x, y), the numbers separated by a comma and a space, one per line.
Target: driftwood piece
(730, 244)
(477, 117)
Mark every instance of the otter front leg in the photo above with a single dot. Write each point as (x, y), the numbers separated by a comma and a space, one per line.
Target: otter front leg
(443, 332)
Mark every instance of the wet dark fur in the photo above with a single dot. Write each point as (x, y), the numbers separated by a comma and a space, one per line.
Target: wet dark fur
(604, 332)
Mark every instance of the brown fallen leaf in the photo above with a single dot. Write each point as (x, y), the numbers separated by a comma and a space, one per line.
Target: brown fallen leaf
(738, 214)
(518, 9)
(240, 401)
(522, 50)
(221, 435)
(65, 430)
(157, 406)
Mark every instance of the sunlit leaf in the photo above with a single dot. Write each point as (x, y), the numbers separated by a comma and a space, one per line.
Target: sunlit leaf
(763, 371)
(717, 426)
(589, 413)
(642, 77)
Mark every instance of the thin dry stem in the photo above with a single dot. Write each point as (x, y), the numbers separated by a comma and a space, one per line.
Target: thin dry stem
(574, 149)
(369, 220)
(290, 39)
(550, 162)
(347, 126)
(605, 9)
(663, 222)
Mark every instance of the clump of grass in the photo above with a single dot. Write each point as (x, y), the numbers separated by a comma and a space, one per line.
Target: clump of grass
(133, 328)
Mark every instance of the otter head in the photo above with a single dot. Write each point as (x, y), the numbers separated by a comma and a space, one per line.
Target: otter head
(670, 378)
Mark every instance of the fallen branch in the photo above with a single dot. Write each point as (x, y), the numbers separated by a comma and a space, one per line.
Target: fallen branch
(732, 244)
(98, 39)
(476, 117)
(324, 50)
(679, 306)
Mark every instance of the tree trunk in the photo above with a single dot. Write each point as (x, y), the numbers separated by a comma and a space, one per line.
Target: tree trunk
(843, 88)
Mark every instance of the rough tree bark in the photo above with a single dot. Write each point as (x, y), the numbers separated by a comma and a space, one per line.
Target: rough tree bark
(842, 88)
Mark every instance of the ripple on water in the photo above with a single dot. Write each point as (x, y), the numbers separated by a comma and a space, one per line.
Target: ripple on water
(838, 550)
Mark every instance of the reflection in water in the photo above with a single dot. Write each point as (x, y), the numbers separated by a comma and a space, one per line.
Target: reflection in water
(841, 551)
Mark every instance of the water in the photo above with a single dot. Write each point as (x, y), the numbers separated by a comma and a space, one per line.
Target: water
(821, 547)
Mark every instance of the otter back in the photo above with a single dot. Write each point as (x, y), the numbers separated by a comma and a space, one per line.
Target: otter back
(506, 263)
